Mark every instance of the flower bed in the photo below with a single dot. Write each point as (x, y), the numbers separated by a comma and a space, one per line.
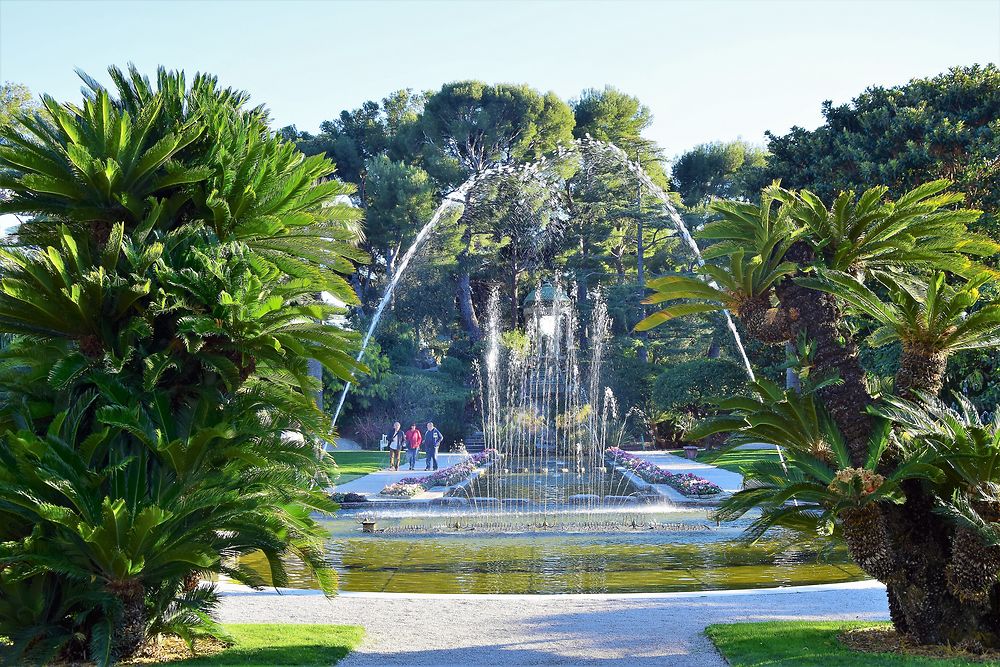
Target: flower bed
(686, 483)
(402, 490)
(348, 498)
(411, 486)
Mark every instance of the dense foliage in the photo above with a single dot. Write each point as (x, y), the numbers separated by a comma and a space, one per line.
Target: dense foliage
(156, 418)
(907, 481)
(946, 126)
(583, 221)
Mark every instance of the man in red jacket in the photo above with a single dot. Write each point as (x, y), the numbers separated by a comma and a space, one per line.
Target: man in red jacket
(413, 439)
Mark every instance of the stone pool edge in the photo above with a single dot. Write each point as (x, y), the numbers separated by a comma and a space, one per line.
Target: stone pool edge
(230, 589)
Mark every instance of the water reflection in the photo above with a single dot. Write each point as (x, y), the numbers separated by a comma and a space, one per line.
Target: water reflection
(699, 557)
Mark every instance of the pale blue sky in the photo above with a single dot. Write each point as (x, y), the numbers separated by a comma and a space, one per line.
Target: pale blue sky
(708, 70)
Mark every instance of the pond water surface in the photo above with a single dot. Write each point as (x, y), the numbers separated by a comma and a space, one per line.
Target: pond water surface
(683, 551)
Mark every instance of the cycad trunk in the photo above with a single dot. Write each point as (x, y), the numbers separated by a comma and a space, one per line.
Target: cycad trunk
(942, 587)
(920, 371)
(945, 588)
(129, 632)
(816, 315)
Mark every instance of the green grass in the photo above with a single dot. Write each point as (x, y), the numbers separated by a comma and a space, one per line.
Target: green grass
(353, 465)
(736, 459)
(283, 645)
(807, 644)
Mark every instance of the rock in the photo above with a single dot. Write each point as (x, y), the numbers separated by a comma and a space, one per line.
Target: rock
(583, 498)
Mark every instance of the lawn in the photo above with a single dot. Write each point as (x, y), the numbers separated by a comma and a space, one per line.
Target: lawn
(735, 459)
(281, 645)
(807, 644)
(353, 465)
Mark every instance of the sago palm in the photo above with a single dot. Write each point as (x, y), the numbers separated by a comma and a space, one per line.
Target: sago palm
(966, 449)
(163, 299)
(816, 488)
(869, 233)
(752, 240)
(929, 318)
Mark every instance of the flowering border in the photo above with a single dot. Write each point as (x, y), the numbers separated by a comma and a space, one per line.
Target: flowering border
(686, 483)
(401, 490)
(461, 471)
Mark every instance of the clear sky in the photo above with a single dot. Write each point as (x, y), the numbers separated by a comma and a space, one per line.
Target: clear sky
(708, 70)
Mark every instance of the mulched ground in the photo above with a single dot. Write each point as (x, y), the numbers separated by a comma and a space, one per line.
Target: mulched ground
(886, 640)
(169, 649)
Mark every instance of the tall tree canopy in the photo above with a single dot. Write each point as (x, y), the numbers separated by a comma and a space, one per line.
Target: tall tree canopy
(718, 170)
(355, 137)
(946, 126)
(483, 126)
(618, 118)
(15, 98)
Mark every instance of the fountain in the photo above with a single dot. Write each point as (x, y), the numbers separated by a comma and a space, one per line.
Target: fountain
(547, 415)
(550, 513)
(586, 148)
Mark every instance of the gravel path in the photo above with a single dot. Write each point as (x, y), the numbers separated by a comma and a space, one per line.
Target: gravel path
(632, 630)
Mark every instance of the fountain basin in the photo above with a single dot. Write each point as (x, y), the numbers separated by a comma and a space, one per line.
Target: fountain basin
(417, 552)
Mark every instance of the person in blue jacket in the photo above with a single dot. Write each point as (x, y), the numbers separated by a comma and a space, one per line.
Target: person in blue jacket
(432, 440)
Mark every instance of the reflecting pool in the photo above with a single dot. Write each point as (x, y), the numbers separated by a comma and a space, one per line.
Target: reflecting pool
(682, 551)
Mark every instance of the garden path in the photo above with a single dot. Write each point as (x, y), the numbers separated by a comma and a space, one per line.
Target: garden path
(728, 481)
(371, 484)
(627, 630)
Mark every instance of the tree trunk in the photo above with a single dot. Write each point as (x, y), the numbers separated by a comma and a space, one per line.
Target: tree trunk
(920, 371)
(640, 266)
(514, 319)
(581, 292)
(816, 315)
(129, 631)
(466, 307)
(792, 380)
(316, 371)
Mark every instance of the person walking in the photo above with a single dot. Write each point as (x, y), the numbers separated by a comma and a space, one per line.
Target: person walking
(413, 439)
(432, 440)
(396, 443)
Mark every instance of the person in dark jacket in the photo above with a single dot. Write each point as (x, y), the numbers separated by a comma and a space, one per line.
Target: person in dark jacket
(413, 439)
(432, 440)
(396, 443)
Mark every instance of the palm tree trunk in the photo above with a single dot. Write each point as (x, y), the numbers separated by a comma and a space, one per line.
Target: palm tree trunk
(920, 372)
(945, 591)
(815, 314)
(129, 632)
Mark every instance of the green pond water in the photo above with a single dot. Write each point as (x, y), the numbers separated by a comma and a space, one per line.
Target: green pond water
(685, 551)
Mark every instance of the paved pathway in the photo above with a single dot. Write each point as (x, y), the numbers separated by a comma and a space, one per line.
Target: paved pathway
(371, 484)
(630, 631)
(728, 481)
